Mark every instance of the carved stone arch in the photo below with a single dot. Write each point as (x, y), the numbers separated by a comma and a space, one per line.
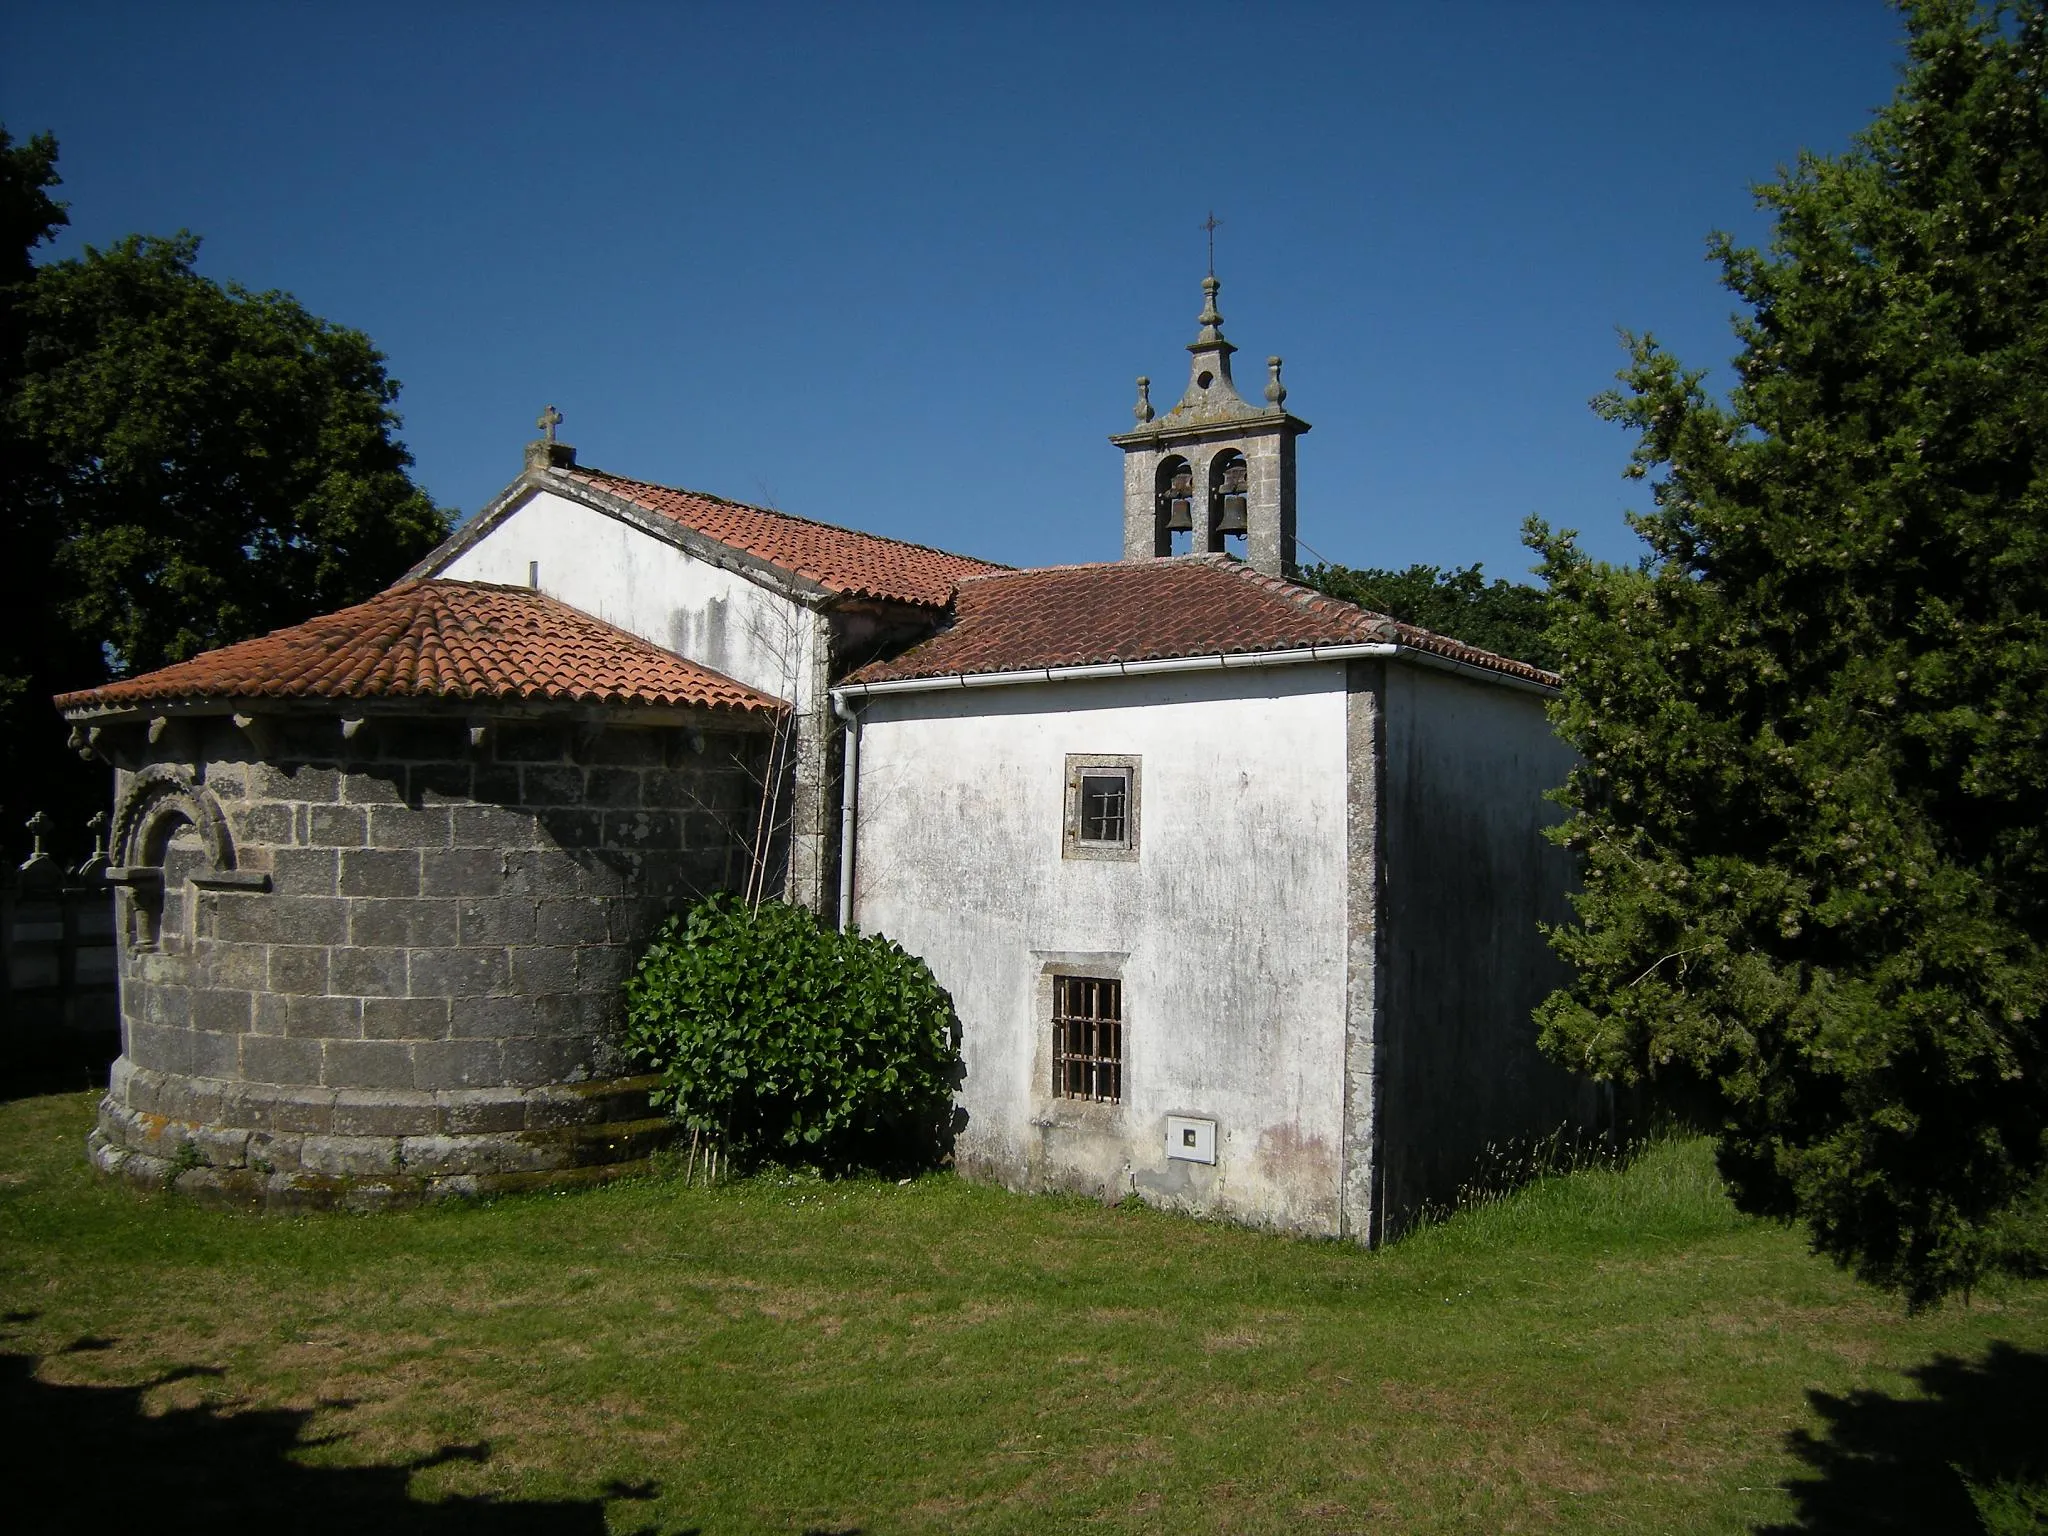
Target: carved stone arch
(160, 801)
(157, 797)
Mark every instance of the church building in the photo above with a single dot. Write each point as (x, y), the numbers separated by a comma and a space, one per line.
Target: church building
(1235, 887)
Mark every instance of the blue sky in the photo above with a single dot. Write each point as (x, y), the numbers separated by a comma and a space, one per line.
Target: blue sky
(897, 267)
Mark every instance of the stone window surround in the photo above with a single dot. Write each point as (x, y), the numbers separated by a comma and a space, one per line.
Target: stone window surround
(1071, 846)
(1075, 1114)
(161, 800)
(1089, 1049)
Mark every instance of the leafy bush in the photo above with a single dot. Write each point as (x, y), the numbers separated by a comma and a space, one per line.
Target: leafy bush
(781, 1039)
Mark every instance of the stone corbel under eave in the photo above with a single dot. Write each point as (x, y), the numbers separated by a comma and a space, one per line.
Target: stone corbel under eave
(260, 730)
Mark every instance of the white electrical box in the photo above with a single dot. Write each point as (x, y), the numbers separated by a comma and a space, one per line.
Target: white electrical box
(1191, 1140)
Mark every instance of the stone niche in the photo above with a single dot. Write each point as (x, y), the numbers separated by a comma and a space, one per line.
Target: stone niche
(379, 963)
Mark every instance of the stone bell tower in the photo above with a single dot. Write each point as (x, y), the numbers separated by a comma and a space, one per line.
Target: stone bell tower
(1215, 473)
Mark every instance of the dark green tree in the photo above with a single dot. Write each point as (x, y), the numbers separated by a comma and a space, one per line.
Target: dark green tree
(1509, 618)
(28, 217)
(199, 463)
(1813, 805)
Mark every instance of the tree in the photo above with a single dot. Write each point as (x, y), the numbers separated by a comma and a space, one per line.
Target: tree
(1509, 618)
(198, 464)
(1813, 804)
(28, 217)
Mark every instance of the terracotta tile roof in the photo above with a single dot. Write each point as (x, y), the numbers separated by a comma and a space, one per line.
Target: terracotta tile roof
(1207, 605)
(839, 559)
(438, 639)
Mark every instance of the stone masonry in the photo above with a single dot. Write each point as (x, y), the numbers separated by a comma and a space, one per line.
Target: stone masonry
(376, 963)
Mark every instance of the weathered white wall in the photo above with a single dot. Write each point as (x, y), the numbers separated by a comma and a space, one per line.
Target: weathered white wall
(1228, 930)
(652, 589)
(1468, 876)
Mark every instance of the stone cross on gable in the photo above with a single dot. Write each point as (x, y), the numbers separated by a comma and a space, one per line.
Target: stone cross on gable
(97, 860)
(544, 452)
(38, 866)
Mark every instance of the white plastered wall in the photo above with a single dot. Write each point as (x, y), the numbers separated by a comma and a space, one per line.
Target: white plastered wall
(1469, 877)
(1228, 930)
(650, 588)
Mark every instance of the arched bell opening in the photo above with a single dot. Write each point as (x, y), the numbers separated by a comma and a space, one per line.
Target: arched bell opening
(1229, 503)
(1173, 522)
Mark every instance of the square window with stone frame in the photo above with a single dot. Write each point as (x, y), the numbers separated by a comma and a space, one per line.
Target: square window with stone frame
(1088, 1038)
(1102, 807)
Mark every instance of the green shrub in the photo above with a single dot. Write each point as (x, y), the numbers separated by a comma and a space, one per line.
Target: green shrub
(781, 1039)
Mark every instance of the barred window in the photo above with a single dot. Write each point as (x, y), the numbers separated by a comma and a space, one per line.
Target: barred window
(1102, 807)
(1088, 1038)
(1106, 807)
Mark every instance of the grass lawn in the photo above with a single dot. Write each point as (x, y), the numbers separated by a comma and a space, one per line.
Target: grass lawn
(1608, 1351)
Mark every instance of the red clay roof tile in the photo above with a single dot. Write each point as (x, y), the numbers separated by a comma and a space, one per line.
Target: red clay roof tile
(838, 559)
(1147, 610)
(439, 639)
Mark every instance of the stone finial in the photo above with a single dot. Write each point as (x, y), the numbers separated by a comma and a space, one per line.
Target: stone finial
(1276, 392)
(545, 452)
(1211, 318)
(1143, 409)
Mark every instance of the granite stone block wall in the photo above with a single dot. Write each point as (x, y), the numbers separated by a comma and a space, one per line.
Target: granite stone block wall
(387, 965)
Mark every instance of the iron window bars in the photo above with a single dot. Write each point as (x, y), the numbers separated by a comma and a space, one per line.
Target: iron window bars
(1106, 807)
(1088, 1039)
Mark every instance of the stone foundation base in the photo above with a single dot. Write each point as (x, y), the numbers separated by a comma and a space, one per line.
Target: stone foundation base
(265, 1145)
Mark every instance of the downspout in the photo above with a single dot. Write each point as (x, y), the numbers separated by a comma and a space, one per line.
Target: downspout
(849, 805)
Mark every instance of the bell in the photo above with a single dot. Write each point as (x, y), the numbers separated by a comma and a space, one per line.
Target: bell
(1180, 501)
(1232, 520)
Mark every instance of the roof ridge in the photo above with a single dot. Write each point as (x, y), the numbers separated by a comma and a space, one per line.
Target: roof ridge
(1302, 595)
(1310, 597)
(1202, 557)
(1039, 570)
(794, 517)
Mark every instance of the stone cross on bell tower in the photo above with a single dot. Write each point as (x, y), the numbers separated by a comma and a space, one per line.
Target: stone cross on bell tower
(1215, 467)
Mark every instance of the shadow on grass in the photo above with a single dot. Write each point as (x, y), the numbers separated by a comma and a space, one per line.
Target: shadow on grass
(88, 1458)
(35, 1080)
(1969, 1455)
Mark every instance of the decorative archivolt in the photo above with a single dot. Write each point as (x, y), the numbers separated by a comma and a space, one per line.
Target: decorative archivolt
(158, 799)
